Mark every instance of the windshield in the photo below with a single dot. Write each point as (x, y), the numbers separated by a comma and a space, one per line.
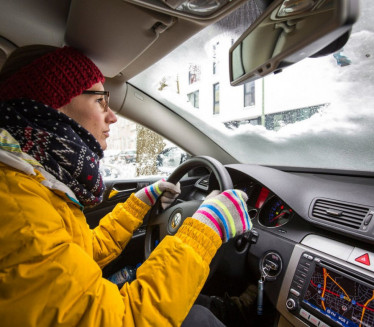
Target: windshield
(317, 113)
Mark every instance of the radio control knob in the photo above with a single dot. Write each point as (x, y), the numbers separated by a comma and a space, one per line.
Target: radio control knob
(291, 304)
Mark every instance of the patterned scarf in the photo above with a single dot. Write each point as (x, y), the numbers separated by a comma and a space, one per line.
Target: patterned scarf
(64, 148)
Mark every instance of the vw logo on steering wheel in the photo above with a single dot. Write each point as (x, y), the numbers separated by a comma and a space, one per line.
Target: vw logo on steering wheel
(175, 221)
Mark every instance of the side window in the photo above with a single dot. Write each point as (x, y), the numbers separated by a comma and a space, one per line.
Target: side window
(193, 98)
(135, 151)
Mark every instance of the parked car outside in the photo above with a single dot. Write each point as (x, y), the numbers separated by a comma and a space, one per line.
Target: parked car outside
(127, 156)
(170, 158)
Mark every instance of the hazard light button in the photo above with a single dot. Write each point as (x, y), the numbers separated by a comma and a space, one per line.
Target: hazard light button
(362, 258)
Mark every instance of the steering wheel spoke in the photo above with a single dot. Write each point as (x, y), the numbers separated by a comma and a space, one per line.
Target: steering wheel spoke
(159, 218)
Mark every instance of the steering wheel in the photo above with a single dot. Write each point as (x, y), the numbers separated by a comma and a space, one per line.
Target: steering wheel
(167, 222)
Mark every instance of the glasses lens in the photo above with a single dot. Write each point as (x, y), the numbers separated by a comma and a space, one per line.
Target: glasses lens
(106, 98)
(105, 94)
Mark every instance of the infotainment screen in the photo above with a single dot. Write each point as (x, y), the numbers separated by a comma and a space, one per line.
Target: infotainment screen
(347, 301)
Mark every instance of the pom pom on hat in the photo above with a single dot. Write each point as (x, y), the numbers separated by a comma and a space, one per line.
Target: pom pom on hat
(52, 79)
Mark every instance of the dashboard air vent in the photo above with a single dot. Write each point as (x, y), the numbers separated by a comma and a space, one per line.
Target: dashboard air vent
(345, 214)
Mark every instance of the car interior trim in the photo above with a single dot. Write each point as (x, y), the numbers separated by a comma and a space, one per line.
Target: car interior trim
(328, 246)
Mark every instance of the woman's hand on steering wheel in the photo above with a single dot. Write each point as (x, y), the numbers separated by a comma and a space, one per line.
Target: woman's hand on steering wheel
(168, 192)
(166, 222)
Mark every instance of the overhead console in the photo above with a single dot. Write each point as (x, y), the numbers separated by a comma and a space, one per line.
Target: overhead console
(195, 9)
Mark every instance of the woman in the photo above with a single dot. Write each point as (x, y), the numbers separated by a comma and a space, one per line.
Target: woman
(54, 122)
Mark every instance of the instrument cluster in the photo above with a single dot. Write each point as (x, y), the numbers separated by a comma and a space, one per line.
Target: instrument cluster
(265, 206)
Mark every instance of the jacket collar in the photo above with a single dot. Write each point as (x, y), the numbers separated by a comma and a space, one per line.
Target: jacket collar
(12, 155)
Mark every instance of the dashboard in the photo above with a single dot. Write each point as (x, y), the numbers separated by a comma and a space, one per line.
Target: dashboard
(314, 241)
(335, 204)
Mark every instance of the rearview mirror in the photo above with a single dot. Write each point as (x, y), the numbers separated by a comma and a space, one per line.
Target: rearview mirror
(287, 32)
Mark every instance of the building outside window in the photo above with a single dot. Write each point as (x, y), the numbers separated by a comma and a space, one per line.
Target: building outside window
(194, 72)
(193, 98)
(215, 59)
(249, 94)
(216, 99)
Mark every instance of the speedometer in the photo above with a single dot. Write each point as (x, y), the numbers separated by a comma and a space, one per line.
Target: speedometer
(275, 213)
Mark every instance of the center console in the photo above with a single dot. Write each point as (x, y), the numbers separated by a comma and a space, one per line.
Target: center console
(323, 289)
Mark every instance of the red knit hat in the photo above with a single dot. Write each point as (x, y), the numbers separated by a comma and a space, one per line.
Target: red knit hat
(53, 79)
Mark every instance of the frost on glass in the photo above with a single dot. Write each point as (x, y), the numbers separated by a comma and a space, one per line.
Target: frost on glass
(317, 113)
(149, 146)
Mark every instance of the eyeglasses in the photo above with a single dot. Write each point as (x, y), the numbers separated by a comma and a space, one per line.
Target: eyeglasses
(104, 104)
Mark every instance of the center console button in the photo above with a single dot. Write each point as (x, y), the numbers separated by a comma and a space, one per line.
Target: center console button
(304, 269)
(304, 314)
(314, 320)
(291, 304)
(299, 280)
(301, 274)
(294, 292)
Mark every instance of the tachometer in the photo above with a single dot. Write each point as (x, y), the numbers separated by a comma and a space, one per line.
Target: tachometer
(275, 213)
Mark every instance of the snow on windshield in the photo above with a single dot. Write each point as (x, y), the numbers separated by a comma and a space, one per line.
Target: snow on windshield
(338, 134)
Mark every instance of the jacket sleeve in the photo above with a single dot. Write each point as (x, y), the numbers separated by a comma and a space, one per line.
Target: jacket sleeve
(169, 282)
(49, 280)
(116, 229)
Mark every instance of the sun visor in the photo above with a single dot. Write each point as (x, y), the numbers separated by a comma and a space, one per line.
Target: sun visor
(113, 33)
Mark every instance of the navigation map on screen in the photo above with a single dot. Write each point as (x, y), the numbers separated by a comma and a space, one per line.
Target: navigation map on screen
(344, 300)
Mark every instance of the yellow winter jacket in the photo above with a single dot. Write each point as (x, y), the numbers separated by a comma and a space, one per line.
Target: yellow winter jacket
(50, 261)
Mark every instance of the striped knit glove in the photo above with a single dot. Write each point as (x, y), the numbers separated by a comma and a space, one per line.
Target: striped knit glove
(151, 193)
(226, 214)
